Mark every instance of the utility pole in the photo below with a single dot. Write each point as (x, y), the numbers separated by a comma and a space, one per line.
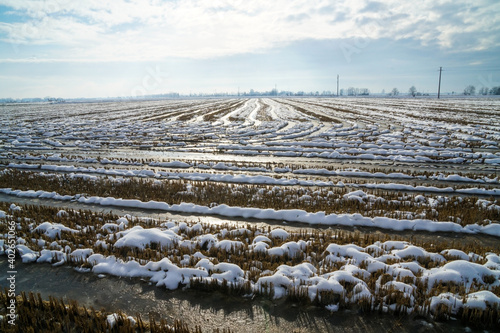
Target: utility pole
(439, 86)
(337, 85)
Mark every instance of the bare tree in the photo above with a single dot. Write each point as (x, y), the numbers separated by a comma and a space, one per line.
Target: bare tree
(412, 91)
(364, 91)
(395, 92)
(483, 91)
(470, 90)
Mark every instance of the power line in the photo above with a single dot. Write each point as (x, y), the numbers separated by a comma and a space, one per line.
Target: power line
(467, 69)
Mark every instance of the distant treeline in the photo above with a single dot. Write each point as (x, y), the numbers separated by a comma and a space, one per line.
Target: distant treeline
(469, 90)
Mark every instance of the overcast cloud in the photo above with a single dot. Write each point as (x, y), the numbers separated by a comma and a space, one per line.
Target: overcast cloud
(100, 31)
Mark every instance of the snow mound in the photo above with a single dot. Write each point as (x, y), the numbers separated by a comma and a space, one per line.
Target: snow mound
(140, 238)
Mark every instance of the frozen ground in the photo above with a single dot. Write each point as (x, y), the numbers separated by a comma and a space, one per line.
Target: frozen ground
(325, 268)
(400, 164)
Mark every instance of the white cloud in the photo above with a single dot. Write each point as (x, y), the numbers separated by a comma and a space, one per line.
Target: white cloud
(105, 30)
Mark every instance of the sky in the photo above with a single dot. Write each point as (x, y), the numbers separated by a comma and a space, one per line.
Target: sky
(109, 48)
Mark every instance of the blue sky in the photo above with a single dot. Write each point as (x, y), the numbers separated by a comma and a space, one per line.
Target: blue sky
(101, 48)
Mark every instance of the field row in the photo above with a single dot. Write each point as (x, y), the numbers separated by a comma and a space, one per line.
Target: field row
(381, 130)
(335, 270)
(374, 205)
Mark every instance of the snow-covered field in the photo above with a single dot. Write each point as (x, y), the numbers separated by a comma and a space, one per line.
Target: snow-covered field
(393, 164)
(392, 130)
(326, 268)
